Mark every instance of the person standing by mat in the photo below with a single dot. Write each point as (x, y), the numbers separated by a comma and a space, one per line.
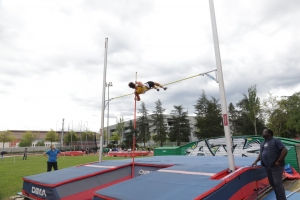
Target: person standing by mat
(52, 156)
(142, 88)
(272, 154)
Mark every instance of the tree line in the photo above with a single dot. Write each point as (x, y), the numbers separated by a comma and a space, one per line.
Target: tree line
(51, 136)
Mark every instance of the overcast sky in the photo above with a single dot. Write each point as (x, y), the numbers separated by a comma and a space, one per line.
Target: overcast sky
(52, 56)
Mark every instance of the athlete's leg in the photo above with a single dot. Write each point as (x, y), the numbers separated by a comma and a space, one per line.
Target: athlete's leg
(150, 85)
(159, 85)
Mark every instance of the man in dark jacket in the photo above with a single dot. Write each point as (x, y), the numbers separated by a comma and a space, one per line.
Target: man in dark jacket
(2, 154)
(272, 154)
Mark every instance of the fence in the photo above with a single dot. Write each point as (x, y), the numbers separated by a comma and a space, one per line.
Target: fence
(39, 149)
(165, 144)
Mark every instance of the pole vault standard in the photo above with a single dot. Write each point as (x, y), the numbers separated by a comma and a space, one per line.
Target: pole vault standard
(103, 101)
(134, 134)
(221, 87)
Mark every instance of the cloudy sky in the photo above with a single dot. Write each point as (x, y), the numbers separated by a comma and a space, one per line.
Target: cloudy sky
(52, 55)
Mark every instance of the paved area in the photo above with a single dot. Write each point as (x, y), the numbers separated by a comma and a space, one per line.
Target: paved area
(289, 185)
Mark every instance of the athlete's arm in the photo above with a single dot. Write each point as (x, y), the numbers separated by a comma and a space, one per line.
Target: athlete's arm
(139, 83)
(137, 97)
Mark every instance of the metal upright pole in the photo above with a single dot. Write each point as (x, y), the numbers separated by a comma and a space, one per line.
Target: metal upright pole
(62, 134)
(81, 135)
(103, 100)
(107, 128)
(221, 88)
(68, 134)
(72, 135)
(134, 134)
(87, 123)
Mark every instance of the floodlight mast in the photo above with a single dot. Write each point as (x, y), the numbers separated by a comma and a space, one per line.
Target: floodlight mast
(221, 87)
(103, 101)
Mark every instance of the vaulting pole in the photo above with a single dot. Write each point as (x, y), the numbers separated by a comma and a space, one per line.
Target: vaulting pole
(221, 88)
(103, 101)
(134, 133)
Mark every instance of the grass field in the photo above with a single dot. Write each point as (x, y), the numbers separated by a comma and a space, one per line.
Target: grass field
(13, 169)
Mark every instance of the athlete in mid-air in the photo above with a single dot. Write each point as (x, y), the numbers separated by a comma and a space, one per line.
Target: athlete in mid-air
(142, 88)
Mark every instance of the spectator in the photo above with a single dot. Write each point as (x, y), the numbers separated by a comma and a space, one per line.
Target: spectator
(2, 154)
(272, 154)
(52, 156)
(25, 154)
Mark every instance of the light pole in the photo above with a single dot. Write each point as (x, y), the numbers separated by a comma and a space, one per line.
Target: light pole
(56, 127)
(62, 133)
(86, 132)
(81, 134)
(107, 128)
(69, 134)
(72, 134)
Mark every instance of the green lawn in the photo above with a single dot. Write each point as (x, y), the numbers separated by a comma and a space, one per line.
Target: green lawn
(12, 169)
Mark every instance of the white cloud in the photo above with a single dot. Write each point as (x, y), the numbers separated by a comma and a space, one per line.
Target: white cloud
(52, 52)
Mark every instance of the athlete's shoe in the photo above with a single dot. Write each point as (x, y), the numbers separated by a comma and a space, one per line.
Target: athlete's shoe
(157, 89)
(165, 88)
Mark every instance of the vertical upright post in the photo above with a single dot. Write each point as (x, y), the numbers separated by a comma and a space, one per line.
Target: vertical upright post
(68, 135)
(107, 128)
(221, 87)
(62, 134)
(87, 123)
(71, 136)
(81, 135)
(134, 132)
(103, 100)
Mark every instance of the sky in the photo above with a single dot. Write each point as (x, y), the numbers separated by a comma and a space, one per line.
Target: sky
(52, 56)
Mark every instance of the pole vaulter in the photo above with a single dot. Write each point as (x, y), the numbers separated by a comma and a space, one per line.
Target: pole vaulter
(162, 86)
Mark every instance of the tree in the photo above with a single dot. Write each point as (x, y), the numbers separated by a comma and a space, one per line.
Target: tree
(129, 135)
(70, 137)
(278, 122)
(180, 128)
(24, 143)
(251, 106)
(28, 138)
(120, 127)
(88, 135)
(143, 127)
(51, 136)
(208, 118)
(244, 126)
(233, 115)
(158, 124)
(292, 106)
(6, 136)
(115, 137)
(274, 110)
(40, 144)
(104, 137)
